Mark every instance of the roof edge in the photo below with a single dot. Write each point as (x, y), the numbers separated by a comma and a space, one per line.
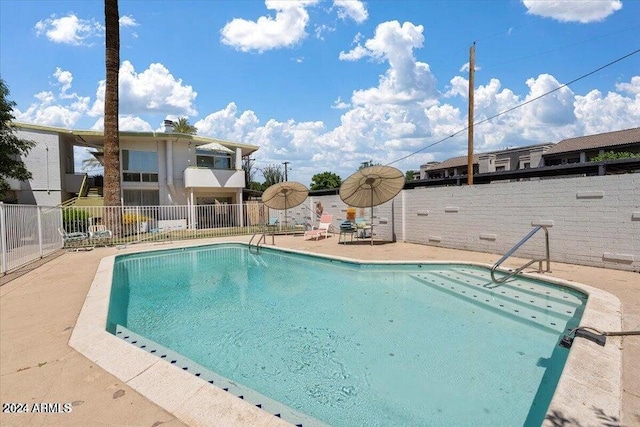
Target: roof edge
(97, 133)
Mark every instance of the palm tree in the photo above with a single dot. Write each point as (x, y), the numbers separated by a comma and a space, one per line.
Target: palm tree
(111, 130)
(183, 126)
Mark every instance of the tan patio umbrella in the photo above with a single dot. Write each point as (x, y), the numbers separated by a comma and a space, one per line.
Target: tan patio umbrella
(371, 187)
(285, 195)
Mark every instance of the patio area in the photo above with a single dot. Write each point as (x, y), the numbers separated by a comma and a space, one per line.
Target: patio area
(38, 311)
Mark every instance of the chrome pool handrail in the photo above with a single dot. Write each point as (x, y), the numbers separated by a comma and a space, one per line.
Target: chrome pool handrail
(513, 249)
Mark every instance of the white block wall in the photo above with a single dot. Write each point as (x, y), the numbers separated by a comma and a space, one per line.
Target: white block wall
(383, 222)
(44, 163)
(596, 220)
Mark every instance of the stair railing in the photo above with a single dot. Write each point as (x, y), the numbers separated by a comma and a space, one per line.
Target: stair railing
(515, 248)
(84, 187)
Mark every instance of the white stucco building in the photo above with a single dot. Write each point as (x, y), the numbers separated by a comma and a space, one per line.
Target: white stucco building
(157, 168)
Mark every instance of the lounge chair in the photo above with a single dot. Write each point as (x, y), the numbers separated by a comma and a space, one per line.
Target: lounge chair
(99, 233)
(321, 230)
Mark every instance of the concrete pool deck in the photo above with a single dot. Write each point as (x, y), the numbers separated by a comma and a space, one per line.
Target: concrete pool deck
(39, 311)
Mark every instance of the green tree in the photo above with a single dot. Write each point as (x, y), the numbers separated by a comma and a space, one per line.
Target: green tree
(272, 175)
(249, 172)
(612, 155)
(183, 126)
(408, 176)
(10, 145)
(111, 105)
(325, 180)
(256, 186)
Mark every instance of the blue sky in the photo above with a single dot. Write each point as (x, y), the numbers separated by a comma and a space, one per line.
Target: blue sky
(328, 84)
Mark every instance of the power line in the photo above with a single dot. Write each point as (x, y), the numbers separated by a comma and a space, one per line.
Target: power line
(517, 106)
(544, 52)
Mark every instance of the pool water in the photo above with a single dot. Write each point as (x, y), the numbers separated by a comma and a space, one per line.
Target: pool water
(354, 344)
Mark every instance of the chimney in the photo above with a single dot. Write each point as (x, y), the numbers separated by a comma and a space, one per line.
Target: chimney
(168, 126)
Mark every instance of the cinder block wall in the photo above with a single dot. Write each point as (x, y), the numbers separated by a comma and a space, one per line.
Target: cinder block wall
(596, 220)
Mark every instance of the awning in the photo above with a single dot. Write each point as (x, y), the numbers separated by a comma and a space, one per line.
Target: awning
(215, 147)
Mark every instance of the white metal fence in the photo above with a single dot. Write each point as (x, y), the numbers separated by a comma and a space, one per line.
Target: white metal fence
(32, 232)
(28, 233)
(117, 225)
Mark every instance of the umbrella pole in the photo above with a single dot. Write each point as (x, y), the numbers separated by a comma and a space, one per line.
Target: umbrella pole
(371, 216)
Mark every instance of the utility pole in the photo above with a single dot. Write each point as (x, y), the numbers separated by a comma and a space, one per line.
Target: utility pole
(472, 60)
(285, 170)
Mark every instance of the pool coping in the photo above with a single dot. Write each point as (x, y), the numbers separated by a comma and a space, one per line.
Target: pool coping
(589, 389)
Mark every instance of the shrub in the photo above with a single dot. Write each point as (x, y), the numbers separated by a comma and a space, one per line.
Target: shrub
(133, 218)
(75, 219)
(612, 155)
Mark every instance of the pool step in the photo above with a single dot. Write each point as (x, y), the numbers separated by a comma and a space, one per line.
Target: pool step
(182, 362)
(510, 307)
(552, 293)
(563, 308)
(257, 259)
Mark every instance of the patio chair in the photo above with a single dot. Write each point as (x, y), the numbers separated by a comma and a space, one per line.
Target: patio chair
(272, 225)
(364, 229)
(73, 239)
(321, 230)
(99, 233)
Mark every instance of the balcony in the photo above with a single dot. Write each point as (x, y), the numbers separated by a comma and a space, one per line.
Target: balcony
(198, 177)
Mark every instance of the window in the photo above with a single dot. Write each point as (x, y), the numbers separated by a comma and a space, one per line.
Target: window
(553, 162)
(500, 168)
(141, 197)
(526, 165)
(574, 160)
(214, 161)
(139, 166)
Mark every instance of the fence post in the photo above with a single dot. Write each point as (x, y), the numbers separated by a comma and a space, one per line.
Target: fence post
(3, 239)
(137, 222)
(39, 231)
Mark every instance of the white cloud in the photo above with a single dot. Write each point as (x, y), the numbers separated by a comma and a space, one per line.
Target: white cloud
(573, 10)
(126, 123)
(632, 88)
(226, 124)
(266, 33)
(465, 68)
(459, 86)
(354, 9)
(128, 21)
(406, 80)
(155, 90)
(69, 29)
(554, 109)
(50, 115)
(64, 110)
(339, 104)
(65, 78)
(597, 113)
(320, 30)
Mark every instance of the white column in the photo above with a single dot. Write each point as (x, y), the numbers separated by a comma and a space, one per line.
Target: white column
(239, 159)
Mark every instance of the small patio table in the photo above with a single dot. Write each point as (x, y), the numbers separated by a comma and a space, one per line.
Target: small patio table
(344, 232)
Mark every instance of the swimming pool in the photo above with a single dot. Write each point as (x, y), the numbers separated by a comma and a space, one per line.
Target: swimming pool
(351, 344)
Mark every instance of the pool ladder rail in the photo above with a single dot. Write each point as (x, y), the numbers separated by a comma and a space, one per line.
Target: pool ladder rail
(261, 239)
(515, 248)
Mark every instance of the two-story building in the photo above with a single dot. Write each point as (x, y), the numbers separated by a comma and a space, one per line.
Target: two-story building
(583, 149)
(494, 161)
(157, 168)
